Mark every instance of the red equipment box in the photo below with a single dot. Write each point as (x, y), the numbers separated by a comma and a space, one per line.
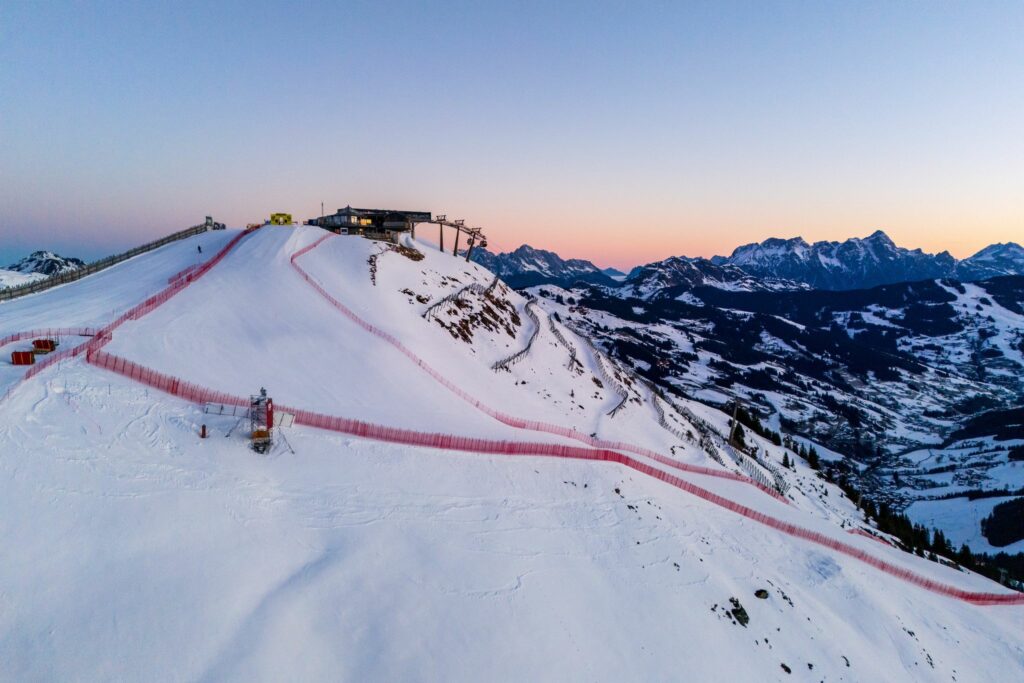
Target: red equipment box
(23, 357)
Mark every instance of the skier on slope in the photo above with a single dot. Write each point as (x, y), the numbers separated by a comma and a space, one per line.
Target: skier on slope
(200, 248)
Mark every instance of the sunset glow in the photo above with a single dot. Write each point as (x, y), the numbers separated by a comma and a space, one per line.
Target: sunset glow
(637, 134)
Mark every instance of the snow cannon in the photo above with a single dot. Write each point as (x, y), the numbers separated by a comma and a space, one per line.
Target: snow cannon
(261, 421)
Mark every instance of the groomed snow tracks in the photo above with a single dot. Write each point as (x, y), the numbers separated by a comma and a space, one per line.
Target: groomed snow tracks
(51, 358)
(613, 384)
(198, 394)
(101, 337)
(504, 418)
(357, 428)
(102, 264)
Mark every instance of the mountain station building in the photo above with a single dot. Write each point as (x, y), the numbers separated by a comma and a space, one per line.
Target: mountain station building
(373, 223)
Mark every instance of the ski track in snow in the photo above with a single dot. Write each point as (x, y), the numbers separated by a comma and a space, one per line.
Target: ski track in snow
(259, 623)
(788, 528)
(519, 423)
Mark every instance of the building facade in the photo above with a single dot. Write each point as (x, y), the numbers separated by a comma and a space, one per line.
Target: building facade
(373, 223)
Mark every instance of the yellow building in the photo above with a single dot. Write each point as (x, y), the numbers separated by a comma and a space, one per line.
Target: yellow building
(280, 219)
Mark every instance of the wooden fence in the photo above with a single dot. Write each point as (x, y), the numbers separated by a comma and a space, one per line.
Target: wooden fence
(89, 269)
(504, 363)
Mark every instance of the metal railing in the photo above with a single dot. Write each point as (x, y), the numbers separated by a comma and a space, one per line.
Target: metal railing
(705, 441)
(564, 342)
(95, 267)
(604, 373)
(504, 363)
(457, 295)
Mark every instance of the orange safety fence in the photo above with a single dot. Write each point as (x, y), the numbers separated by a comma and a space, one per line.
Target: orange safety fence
(102, 337)
(48, 332)
(511, 420)
(861, 532)
(198, 394)
(50, 358)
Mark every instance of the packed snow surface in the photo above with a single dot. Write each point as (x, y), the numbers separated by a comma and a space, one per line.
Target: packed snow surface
(134, 550)
(13, 278)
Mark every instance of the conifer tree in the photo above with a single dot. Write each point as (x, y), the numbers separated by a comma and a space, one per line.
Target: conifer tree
(812, 458)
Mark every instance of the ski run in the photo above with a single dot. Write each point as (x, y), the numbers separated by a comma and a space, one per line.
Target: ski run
(436, 511)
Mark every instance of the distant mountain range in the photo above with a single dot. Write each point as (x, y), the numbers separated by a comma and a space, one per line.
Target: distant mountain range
(772, 265)
(679, 274)
(912, 381)
(874, 260)
(527, 267)
(905, 362)
(37, 266)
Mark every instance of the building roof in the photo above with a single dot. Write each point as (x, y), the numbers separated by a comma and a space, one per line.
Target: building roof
(414, 215)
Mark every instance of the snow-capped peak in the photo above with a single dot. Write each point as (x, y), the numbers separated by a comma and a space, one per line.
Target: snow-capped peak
(527, 266)
(999, 250)
(852, 264)
(46, 263)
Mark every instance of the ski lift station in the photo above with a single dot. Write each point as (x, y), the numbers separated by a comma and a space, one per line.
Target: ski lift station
(373, 223)
(389, 224)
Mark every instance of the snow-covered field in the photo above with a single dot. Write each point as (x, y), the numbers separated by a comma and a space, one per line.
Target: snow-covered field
(981, 464)
(960, 519)
(134, 550)
(12, 278)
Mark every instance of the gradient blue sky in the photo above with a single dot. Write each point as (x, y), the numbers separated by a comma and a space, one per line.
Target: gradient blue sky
(620, 132)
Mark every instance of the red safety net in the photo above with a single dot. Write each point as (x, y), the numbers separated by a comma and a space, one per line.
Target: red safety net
(49, 333)
(504, 418)
(178, 282)
(196, 393)
(183, 274)
(48, 359)
(861, 532)
(166, 383)
(102, 337)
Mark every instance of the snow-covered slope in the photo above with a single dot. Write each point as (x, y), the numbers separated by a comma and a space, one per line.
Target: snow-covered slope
(138, 551)
(12, 278)
(887, 377)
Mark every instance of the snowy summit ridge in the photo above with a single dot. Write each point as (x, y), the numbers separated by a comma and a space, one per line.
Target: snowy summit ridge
(470, 489)
(46, 263)
(859, 263)
(37, 266)
(527, 266)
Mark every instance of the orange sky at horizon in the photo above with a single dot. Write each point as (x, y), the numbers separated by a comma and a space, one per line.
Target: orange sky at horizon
(709, 237)
(621, 237)
(622, 134)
